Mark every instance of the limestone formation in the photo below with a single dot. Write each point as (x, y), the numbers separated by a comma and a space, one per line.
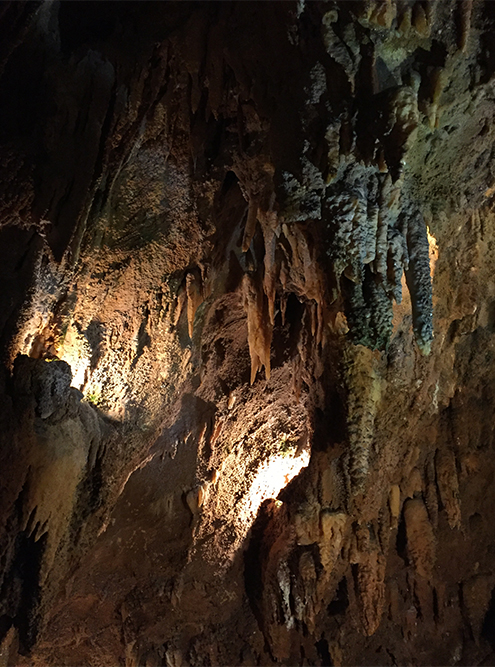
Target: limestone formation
(247, 331)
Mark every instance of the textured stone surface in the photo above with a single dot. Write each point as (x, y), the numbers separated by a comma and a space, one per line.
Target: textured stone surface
(247, 329)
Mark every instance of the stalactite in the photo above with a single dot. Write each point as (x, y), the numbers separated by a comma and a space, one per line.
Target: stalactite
(195, 499)
(436, 81)
(270, 226)
(394, 505)
(295, 261)
(465, 8)
(367, 250)
(283, 307)
(380, 307)
(179, 305)
(333, 527)
(357, 313)
(448, 486)
(420, 20)
(305, 599)
(419, 282)
(194, 300)
(370, 233)
(413, 484)
(342, 210)
(370, 585)
(398, 260)
(217, 429)
(420, 537)
(320, 324)
(369, 311)
(380, 263)
(342, 53)
(259, 327)
(297, 376)
(312, 285)
(313, 315)
(399, 132)
(431, 491)
(388, 210)
(251, 220)
(332, 137)
(303, 268)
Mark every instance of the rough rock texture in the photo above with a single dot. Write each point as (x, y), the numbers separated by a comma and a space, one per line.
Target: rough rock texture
(247, 326)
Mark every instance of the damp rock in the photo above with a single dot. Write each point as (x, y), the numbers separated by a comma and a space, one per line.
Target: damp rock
(418, 280)
(448, 485)
(420, 538)
(48, 381)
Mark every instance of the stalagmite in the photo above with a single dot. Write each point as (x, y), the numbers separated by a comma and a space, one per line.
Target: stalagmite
(370, 585)
(413, 485)
(364, 391)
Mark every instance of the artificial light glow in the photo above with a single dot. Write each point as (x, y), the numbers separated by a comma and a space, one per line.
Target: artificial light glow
(76, 352)
(78, 370)
(271, 478)
(432, 242)
(225, 525)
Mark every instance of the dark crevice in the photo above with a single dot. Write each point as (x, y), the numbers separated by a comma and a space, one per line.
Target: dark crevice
(401, 541)
(24, 587)
(253, 562)
(89, 498)
(323, 651)
(488, 629)
(340, 602)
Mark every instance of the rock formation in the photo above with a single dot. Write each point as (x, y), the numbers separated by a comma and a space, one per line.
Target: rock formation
(247, 330)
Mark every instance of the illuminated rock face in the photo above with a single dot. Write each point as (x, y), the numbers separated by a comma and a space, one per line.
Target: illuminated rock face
(247, 332)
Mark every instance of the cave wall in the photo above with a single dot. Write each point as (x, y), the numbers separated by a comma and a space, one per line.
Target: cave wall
(247, 327)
